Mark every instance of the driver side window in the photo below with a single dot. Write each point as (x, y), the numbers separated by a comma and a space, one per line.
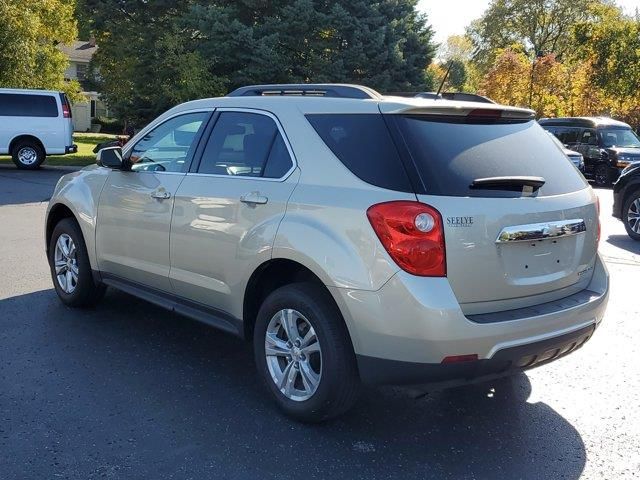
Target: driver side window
(169, 146)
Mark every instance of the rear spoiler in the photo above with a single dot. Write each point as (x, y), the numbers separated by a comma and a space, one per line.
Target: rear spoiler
(457, 109)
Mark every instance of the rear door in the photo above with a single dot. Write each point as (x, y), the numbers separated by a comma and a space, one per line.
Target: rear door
(228, 208)
(507, 246)
(67, 121)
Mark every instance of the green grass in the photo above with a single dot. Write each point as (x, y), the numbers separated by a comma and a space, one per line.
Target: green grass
(85, 156)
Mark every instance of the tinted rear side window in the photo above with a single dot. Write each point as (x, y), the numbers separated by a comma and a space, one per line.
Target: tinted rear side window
(20, 105)
(449, 155)
(363, 144)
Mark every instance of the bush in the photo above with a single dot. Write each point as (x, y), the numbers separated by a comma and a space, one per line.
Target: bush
(109, 125)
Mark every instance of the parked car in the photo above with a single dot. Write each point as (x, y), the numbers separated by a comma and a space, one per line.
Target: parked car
(34, 124)
(354, 238)
(607, 145)
(626, 199)
(576, 158)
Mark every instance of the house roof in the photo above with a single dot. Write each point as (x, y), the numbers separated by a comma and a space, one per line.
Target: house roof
(79, 51)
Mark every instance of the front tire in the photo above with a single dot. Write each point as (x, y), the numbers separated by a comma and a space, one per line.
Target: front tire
(70, 268)
(304, 353)
(631, 215)
(28, 155)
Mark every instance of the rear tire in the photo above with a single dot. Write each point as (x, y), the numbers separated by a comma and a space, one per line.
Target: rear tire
(70, 268)
(28, 155)
(631, 215)
(328, 384)
(602, 176)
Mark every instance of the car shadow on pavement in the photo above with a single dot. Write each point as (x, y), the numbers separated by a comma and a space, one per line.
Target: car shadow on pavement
(131, 389)
(29, 186)
(625, 242)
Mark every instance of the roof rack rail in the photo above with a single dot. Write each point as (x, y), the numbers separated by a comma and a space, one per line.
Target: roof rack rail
(307, 89)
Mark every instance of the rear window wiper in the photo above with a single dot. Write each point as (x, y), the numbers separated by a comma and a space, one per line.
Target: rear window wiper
(515, 183)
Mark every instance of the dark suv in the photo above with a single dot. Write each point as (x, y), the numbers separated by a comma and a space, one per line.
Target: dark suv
(626, 200)
(608, 146)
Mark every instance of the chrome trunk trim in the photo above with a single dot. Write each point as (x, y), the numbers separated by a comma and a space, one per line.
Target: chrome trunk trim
(542, 231)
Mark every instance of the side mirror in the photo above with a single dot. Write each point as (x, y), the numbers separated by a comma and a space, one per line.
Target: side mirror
(110, 157)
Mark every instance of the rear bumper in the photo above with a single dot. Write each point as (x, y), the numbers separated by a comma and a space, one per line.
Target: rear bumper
(71, 149)
(505, 362)
(402, 332)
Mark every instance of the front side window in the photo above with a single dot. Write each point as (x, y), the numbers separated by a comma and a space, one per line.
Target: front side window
(245, 144)
(169, 146)
(619, 137)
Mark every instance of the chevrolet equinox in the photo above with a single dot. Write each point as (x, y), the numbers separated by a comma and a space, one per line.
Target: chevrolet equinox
(354, 238)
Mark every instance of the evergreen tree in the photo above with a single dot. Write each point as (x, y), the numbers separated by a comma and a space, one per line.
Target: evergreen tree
(155, 54)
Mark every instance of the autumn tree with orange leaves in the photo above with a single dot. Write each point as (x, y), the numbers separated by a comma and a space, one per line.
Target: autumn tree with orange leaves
(587, 63)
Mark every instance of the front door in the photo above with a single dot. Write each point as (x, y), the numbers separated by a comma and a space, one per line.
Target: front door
(134, 214)
(227, 210)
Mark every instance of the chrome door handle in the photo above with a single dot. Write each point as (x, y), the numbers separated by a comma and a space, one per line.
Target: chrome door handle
(160, 195)
(254, 198)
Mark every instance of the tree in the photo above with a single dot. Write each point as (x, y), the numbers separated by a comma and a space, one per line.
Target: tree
(457, 53)
(457, 47)
(534, 26)
(612, 47)
(155, 54)
(144, 63)
(385, 45)
(29, 35)
(507, 81)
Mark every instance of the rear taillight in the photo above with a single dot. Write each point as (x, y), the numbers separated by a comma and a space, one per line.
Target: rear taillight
(413, 234)
(66, 106)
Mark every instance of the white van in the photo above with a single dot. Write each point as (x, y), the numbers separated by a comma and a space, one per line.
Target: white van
(34, 124)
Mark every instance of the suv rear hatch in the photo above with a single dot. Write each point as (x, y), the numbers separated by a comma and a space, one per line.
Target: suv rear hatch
(520, 222)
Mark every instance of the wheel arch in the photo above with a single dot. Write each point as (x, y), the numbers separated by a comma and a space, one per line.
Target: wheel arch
(26, 137)
(271, 275)
(629, 190)
(57, 212)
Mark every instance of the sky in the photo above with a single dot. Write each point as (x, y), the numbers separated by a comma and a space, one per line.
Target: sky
(450, 17)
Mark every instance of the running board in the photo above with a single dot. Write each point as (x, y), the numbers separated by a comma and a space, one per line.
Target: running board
(196, 311)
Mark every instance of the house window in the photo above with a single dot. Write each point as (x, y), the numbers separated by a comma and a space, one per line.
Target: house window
(93, 109)
(81, 71)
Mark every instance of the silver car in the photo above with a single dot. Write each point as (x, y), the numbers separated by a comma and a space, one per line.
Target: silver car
(353, 238)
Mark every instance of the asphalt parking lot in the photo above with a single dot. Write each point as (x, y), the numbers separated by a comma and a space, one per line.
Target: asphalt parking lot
(130, 391)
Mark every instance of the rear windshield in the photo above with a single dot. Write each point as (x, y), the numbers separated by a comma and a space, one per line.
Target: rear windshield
(449, 155)
(21, 105)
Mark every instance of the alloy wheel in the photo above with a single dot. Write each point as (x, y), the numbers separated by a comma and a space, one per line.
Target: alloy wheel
(27, 156)
(633, 216)
(66, 263)
(293, 354)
